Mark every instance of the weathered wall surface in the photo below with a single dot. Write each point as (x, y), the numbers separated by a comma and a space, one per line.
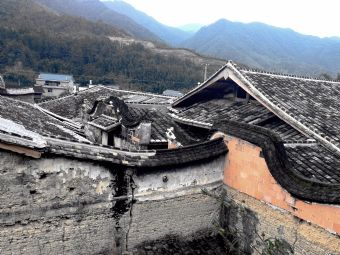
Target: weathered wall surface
(170, 245)
(56, 91)
(183, 216)
(247, 171)
(169, 201)
(55, 206)
(168, 182)
(247, 217)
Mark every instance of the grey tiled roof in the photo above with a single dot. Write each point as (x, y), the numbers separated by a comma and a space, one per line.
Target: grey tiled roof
(161, 121)
(313, 102)
(104, 121)
(315, 162)
(250, 112)
(209, 111)
(303, 113)
(286, 132)
(26, 118)
(308, 103)
(28, 126)
(70, 106)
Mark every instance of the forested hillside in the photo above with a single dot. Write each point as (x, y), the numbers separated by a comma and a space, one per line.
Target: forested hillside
(96, 11)
(268, 47)
(34, 39)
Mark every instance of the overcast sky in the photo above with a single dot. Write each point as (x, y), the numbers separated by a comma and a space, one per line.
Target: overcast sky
(314, 17)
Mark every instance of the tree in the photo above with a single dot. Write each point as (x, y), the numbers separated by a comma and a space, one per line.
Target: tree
(325, 76)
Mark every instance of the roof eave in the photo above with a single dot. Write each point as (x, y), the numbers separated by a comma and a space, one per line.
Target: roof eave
(244, 83)
(216, 76)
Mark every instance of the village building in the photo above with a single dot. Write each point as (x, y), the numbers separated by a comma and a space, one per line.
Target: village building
(107, 171)
(172, 93)
(62, 169)
(55, 85)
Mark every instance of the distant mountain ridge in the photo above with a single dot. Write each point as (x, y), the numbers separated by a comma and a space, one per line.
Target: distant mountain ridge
(172, 36)
(97, 11)
(268, 47)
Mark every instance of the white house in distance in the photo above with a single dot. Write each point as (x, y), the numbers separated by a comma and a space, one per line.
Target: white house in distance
(54, 85)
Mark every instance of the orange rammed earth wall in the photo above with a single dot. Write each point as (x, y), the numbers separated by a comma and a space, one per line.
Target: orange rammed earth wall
(246, 171)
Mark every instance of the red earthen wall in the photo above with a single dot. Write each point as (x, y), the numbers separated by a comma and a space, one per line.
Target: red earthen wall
(246, 171)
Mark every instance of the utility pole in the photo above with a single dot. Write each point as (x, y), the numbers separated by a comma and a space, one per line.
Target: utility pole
(205, 71)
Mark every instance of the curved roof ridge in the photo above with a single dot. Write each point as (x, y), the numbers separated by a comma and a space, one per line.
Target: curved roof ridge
(138, 158)
(276, 158)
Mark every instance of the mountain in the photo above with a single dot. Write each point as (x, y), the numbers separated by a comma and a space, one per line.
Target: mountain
(191, 28)
(36, 39)
(96, 11)
(268, 47)
(172, 36)
(28, 16)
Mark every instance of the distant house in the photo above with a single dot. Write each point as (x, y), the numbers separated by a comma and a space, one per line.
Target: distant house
(55, 85)
(172, 93)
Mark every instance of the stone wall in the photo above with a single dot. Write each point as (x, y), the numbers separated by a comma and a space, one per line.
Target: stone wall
(250, 220)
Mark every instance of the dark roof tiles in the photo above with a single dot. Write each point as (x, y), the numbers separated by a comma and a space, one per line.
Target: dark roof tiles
(70, 106)
(104, 121)
(209, 111)
(160, 122)
(26, 118)
(313, 103)
(314, 162)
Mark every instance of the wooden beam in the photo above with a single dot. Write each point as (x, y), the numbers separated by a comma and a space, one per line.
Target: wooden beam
(20, 150)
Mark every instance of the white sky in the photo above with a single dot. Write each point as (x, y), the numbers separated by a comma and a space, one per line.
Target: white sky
(314, 17)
